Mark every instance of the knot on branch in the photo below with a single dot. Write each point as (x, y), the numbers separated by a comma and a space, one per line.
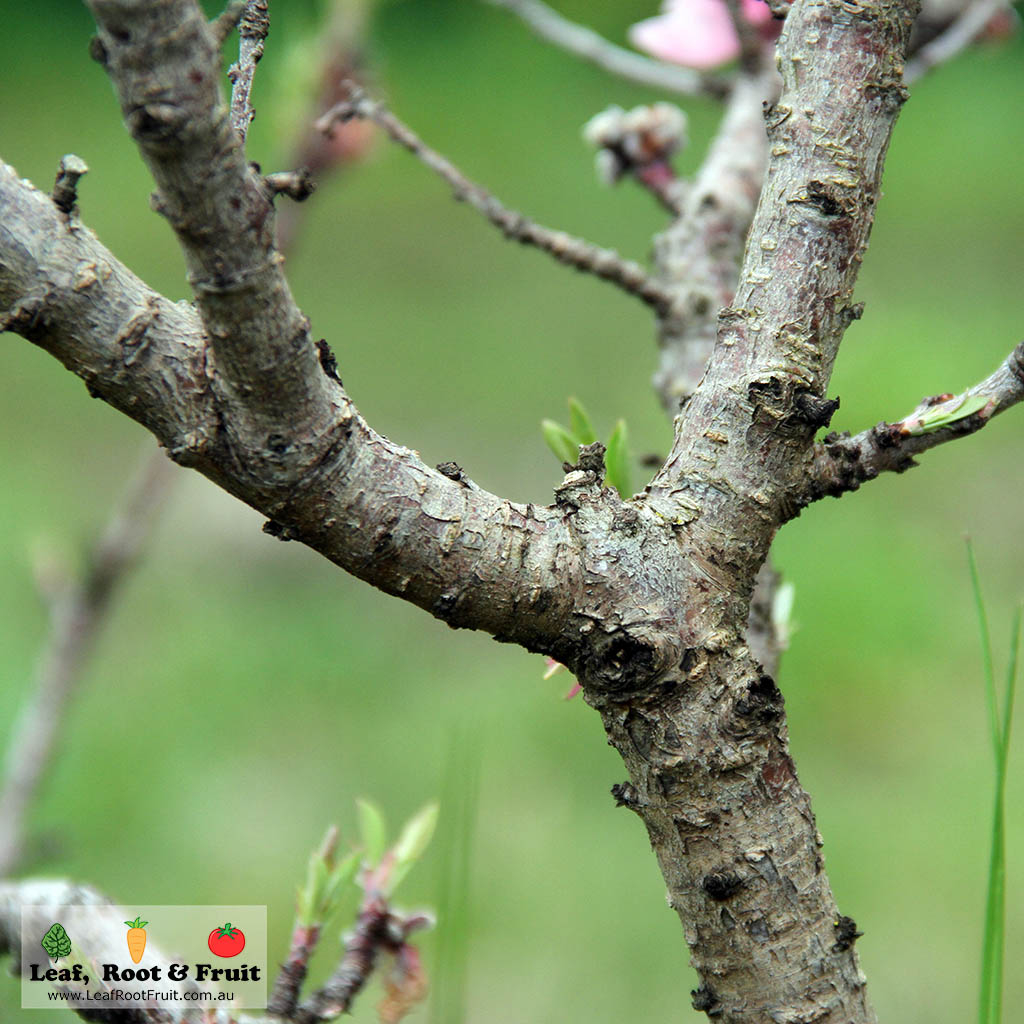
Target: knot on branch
(297, 185)
(757, 708)
(721, 885)
(155, 123)
(814, 410)
(586, 475)
(621, 663)
(828, 199)
(846, 934)
(706, 1001)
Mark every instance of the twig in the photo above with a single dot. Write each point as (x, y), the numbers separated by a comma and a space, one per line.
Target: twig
(960, 34)
(252, 32)
(65, 188)
(751, 45)
(842, 463)
(604, 263)
(362, 947)
(77, 614)
(586, 43)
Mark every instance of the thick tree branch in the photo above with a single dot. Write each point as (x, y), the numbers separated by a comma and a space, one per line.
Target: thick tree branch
(164, 62)
(585, 43)
(366, 504)
(842, 463)
(742, 437)
(575, 252)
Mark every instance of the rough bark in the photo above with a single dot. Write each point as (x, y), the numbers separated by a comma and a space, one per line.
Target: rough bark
(646, 600)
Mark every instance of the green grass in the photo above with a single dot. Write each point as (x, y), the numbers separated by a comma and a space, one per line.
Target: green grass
(990, 1001)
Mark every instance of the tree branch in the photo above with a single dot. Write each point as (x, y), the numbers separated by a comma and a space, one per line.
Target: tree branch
(585, 43)
(960, 34)
(252, 34)
(842, 463)
(575, 252)
(77, 613)
(164, 62)
(698, 258)
(367, 504)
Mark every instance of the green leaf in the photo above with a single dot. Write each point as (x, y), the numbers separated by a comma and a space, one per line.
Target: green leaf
(560, 441)
(413, 841)
(338, 880)
(579, 423)
(372, 830)
(56, 942)
(949, 412)
(616, 461)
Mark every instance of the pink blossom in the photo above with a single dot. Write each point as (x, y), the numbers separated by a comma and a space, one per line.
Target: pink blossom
(697, 33)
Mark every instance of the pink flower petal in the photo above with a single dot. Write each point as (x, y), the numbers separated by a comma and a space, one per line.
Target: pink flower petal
(696, 33)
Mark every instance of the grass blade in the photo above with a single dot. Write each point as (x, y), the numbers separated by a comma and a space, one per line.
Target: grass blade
(460, 795)
(990, 1001)
(986, 651)
(999, 837)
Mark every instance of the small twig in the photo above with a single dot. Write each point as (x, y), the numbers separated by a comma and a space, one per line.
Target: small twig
(76, 615)
(960, 34)
(225, 23)
(252, 32)
(586, 43)
(288, 983)
(566, 248)
(65, 188)
(362, 948)
(842, 463)
(297, 185)
(751, 44)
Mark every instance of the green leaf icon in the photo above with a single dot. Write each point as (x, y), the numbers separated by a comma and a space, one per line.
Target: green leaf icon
(56, 942)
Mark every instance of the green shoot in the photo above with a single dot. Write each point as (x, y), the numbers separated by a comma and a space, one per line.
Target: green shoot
(565, 443)
(943, 415)
(616, 460)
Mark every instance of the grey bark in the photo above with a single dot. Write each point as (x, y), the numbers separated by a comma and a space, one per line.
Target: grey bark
(646, 600)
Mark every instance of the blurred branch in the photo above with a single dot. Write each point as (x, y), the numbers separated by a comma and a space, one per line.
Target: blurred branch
(586, 43)
(842, 463)
(78, 611)
(751, 45)
(698, 257)
(565, 248)
(956, 38)
(252, 33)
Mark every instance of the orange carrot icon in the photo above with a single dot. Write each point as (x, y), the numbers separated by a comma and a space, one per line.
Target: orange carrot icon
(136, 939)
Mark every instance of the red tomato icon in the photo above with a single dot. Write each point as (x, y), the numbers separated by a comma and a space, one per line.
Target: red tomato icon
(226, 941)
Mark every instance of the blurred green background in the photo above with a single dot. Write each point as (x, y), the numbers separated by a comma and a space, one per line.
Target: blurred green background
(246, 691)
